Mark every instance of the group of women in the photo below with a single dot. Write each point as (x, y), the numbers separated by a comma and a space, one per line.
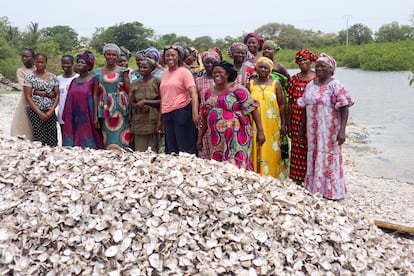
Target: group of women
(240, 112)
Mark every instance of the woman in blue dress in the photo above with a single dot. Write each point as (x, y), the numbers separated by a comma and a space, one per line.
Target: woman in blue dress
(111, 100)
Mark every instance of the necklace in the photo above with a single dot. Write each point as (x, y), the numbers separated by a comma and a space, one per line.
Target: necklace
(262, 88)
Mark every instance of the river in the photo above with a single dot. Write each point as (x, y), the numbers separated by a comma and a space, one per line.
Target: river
(384, 105)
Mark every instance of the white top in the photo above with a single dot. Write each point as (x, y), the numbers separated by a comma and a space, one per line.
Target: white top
(63, 92)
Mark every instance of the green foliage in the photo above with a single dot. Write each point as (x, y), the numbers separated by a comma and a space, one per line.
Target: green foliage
(394, 32)
(65, 37)
(9, 59)
(134, 36)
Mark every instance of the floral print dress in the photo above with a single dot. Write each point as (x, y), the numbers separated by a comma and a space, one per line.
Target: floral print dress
(324, 174)
(229, 126)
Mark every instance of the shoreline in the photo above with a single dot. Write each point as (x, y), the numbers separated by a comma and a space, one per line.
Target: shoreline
(376, 197)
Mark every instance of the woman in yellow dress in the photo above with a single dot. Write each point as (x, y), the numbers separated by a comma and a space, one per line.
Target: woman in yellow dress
(267, 159)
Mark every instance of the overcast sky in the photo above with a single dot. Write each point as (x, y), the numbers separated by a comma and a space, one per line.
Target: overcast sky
(214, 18)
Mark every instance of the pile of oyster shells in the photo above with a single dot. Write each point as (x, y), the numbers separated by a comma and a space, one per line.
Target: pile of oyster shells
(85, 212)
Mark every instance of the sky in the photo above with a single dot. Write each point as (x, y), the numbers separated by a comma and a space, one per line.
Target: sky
(214, 18)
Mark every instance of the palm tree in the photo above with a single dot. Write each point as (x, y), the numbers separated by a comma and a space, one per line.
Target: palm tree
(32, 36)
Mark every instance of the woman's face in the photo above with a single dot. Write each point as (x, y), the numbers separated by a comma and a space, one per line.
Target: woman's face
(268, 51)
(253, 45)
(139, 59)
(171, 58)
(111, 57)
(220, 75)
(123, 61)
(145, 69)
(263, 69)
(82, 66)
(67, 65)
(323, 70)
(40, 63)
(239, 55)
(208, 64)
(304, 64)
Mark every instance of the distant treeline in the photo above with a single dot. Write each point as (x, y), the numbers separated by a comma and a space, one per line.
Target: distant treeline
(388, 49)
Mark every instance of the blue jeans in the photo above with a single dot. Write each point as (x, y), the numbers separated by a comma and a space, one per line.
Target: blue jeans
(180, 131)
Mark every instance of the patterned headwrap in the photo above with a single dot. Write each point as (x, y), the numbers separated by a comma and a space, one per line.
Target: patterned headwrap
(259, 39)
(150, 62)
(125, 52)
(305, 53)
(229, 69)
(140, 53)
(214, 53)
(235, 46)
(112, 46)
(152, 50)
(88, 57)
(265, 59)
(274, 44)
(328, 60)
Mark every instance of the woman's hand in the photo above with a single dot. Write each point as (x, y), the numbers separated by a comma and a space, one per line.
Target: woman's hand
(341, 137)
(199, 142)
(196, 119)
(43, 116)
(96, 122)
(260, 138)
(159, 127)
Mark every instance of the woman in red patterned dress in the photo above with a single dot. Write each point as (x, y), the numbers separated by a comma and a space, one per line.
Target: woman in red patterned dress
(297, 84)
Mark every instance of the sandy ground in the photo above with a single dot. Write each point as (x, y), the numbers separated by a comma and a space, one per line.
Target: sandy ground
(378, 198)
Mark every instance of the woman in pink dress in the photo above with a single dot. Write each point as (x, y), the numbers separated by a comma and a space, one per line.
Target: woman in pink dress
(326, 112)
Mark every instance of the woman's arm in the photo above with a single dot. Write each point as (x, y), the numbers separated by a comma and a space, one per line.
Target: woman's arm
(343, 113)
(201, 131)
(282, 104)
(192, 90)
(260, 138)
(55, 101)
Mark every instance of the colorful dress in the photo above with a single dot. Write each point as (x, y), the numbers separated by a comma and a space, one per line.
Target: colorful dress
(298, 151)
(244, 74)
(324, 174)
(269, 160)
(45, 132)
(78, 116)
(203, 84)
(113, 109)
(144, 124)
(229, 126)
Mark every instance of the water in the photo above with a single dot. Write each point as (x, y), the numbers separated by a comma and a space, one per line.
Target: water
(384, 104)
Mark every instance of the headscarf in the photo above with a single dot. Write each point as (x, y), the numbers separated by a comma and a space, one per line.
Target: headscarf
(88, 57)
(328, 60)
(265, 59)
(235, 46)
(152, 50)
(150, 62)
(259, 39)
(140, 53)
(305, 53)
(125, 52)
(112, 46)
(214, 53)
(274, 44)
(229, 69)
